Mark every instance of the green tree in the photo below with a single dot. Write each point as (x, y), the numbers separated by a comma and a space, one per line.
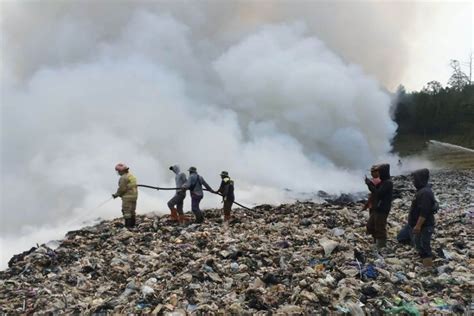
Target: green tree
(458, 79)
(432, 87)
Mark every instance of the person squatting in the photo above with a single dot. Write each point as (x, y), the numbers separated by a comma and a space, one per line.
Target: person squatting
(421, 222)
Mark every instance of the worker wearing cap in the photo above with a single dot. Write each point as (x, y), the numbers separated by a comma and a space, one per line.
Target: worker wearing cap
(194, 185)
(227, 191)
(127, 191)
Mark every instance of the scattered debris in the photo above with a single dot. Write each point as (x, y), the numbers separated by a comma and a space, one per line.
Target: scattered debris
(289, 259)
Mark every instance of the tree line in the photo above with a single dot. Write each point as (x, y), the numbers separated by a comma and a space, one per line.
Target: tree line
(437, 112)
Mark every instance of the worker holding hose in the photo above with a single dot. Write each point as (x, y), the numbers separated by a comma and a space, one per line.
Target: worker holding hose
(194, 185)
(227, 191)
(128, 192)
(176, 203)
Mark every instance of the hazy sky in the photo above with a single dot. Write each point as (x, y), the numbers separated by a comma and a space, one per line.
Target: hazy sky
(442, 30)
(399, 42)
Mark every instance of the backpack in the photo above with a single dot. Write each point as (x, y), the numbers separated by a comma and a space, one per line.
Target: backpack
(191, 188)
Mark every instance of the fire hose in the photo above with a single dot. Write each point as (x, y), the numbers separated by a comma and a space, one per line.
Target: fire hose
(171, 189)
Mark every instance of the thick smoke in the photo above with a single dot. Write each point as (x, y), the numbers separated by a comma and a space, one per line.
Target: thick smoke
(86, 85)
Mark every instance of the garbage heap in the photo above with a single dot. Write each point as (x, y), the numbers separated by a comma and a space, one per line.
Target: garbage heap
(290, 259)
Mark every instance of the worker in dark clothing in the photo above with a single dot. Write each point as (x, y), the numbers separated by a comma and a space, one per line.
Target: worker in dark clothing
(382, 203)
(374, 172)
(227, 191)
(421, 221)
(194, 185)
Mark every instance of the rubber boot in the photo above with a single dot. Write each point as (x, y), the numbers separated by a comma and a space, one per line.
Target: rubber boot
(199, 217)
(174, 215)
(226, 216)
(373, 247)
(127, 222)
(132, 221)
(183, 219)
(428, 262)
(381, 243)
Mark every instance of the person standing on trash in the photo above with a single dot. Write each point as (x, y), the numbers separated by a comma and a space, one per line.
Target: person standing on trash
(176, 203)
(374, 172)
(127, 191)
(194, 185)
(227, 190)
(382, 199)
(421, 221)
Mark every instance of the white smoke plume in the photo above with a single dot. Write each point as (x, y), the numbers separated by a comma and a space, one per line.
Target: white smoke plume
(88, 84)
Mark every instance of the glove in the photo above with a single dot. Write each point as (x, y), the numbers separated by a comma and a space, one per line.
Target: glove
(367, 181)
(416, 230)
(114, 196)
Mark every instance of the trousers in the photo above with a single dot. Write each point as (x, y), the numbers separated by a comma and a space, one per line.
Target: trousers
(377, 224)
(178, 201)
(421, 241)
(128, 208)
(195, 200)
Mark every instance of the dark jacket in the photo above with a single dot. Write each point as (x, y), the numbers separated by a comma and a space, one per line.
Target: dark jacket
(383, 191)
(227, 189)
(424, 201)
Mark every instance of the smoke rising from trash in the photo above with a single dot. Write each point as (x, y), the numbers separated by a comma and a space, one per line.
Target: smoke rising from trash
(157, 84)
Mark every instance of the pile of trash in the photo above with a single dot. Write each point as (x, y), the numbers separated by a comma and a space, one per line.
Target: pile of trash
(290, 259)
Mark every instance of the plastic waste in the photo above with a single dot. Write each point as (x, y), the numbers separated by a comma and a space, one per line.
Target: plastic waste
(234, 266)
(338, 231)
(370, 272)
(286, 259)
(147, 290)
(405, 308)
(328, 245)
